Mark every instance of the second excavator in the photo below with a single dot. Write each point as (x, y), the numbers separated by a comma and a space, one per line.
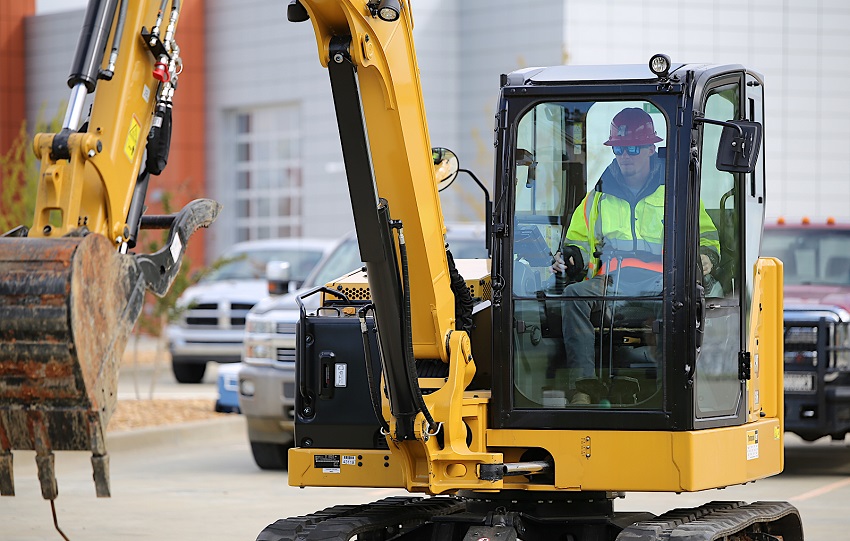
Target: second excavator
(71, 286)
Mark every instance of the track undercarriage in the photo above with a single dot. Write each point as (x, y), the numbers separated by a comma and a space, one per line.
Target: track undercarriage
(513, 516)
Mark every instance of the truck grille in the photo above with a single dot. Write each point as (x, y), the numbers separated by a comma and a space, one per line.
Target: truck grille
(286, 328)
(223, 315)
(285, 355)
(801, 344)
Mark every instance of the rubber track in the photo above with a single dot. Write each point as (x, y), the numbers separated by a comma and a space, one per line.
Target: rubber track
(342, 522)
(709, 522)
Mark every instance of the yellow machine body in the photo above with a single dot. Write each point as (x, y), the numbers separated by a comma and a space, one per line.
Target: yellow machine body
(593, 460)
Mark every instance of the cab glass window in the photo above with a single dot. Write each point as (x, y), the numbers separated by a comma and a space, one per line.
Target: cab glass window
(590, 180)
(718, 389)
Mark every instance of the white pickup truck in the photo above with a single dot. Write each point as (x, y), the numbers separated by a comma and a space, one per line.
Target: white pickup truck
(267, 371)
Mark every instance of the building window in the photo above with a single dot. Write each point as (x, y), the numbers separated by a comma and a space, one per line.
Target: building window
(267, 175)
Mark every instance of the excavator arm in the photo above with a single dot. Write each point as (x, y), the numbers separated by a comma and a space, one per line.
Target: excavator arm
(368, 50)
(375, 83)
(70, 290)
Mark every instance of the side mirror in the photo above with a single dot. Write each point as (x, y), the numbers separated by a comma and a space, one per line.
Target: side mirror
(277, 273)
(739, 146)
(446, 167)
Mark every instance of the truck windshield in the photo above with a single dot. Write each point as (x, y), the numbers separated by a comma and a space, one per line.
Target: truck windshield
(251, 265)
(810, 256)
(346, 257)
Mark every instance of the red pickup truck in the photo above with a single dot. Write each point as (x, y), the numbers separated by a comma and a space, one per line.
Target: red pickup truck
(816, 260)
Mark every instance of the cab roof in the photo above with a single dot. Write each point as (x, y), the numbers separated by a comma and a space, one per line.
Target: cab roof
(601, 73)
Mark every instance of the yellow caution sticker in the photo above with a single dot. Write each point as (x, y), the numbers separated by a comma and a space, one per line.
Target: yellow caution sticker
(752, 444)
(776, 432)
(133, 136)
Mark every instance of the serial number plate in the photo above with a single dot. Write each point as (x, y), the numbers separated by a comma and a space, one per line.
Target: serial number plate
(799, 383)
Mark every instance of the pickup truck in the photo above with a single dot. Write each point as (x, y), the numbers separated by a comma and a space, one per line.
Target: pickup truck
(211, 323)
(267, 371)
(816, 260)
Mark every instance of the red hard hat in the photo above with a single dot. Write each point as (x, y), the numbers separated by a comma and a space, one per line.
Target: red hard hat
(632, 126)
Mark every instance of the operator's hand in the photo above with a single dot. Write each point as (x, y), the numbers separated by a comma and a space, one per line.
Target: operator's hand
(559, 266)
(569, 263)
(706, 264)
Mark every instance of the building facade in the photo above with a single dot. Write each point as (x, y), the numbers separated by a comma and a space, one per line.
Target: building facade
(255, 126)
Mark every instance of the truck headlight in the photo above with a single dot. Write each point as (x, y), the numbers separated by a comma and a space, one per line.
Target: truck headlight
(260, 326)
(842, 346)
(258, 349)
(258, 341)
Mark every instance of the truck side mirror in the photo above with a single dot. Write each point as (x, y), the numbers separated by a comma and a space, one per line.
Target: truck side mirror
(739, 146)
(277, 273)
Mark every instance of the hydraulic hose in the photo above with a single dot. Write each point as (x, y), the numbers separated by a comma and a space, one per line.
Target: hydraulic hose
(109, 72)
(408, 332)
(374, 390)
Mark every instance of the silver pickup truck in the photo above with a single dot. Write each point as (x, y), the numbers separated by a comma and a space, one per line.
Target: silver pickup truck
(267, 371)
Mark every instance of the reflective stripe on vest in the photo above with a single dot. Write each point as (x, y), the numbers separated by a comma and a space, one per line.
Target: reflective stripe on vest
(631, 262)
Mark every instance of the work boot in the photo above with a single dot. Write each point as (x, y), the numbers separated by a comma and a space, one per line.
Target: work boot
(580, 399)
(593, 388)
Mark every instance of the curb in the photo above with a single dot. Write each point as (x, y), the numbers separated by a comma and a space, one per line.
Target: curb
(182, 434)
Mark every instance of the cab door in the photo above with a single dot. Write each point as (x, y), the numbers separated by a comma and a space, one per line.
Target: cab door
(722, 287)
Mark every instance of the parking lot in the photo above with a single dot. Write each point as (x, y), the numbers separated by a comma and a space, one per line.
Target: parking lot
(198, 481)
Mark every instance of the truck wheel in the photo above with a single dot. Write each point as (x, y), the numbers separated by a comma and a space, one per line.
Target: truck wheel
(270, 456)
(188, 372)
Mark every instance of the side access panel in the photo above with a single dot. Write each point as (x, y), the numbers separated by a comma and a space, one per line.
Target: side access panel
(333, 408)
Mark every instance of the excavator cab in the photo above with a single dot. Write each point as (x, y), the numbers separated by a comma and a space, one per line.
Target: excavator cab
(643, 338)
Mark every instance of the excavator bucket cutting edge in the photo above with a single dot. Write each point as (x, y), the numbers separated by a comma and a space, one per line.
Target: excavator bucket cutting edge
(67, 307)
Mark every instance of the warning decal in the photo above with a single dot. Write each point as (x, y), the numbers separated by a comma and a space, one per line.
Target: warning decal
(133, 136)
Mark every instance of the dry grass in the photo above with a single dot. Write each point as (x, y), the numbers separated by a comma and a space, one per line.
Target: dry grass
(133, 414)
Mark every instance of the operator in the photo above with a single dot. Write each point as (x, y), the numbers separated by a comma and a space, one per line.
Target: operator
(614, 241)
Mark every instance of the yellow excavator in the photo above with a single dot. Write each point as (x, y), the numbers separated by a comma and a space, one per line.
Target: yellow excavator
(456, 380)
(71, 287)
(521, 400)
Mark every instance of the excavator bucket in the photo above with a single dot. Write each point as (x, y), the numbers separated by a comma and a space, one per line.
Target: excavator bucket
(67, 307)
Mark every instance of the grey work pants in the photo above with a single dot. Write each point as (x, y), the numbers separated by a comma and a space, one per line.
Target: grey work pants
(581, 299)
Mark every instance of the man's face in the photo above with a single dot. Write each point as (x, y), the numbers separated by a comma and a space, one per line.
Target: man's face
(635, 168)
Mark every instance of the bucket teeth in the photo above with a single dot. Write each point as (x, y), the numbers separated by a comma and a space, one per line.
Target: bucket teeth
(7, 474)
(67, 307)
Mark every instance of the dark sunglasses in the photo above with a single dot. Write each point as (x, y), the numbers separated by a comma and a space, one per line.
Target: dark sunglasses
(632, 150)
